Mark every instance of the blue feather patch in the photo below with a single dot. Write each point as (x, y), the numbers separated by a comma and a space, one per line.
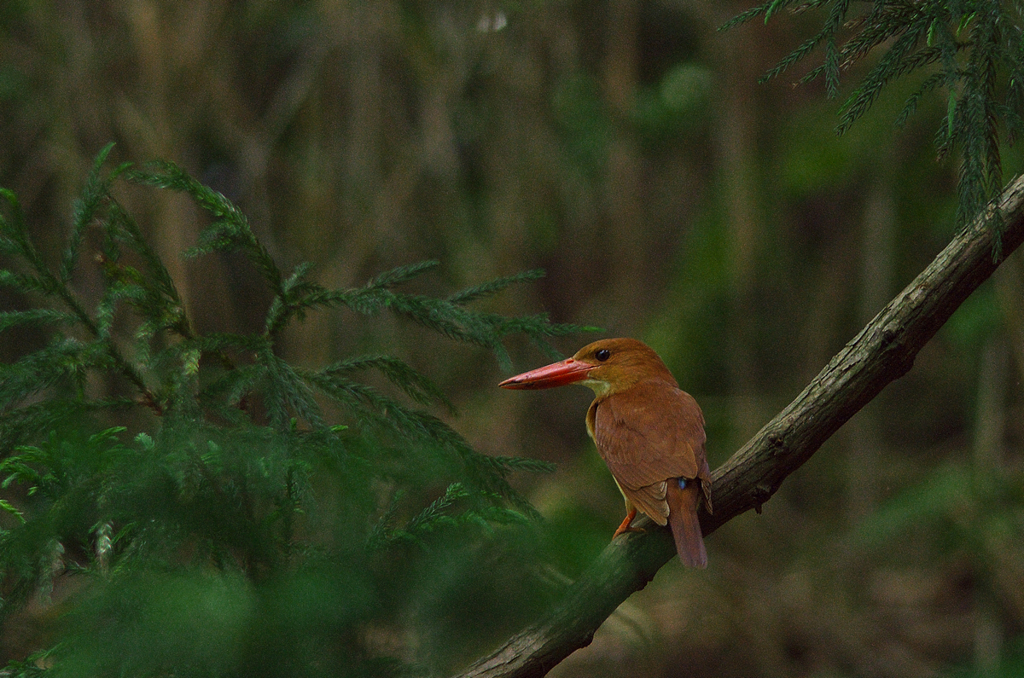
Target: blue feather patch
(682, 483)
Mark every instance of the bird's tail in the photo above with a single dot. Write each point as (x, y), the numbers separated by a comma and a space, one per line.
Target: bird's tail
(683, 497)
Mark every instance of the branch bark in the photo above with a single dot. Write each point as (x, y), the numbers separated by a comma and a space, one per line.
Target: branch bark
(881, 353)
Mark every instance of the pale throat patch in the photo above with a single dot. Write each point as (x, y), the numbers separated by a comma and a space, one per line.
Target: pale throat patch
(600, 388)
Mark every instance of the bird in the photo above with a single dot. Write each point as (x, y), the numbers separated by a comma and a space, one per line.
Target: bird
(649, 432)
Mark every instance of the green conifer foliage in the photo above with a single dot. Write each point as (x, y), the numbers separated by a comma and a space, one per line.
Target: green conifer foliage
(972, 49)
(192, 504)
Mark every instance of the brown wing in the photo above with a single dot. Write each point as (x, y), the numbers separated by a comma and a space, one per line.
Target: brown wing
(647, 434)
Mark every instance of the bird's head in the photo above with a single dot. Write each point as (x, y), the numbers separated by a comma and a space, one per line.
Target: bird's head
(606, 366)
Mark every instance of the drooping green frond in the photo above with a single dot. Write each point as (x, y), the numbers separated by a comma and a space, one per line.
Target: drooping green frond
(160, 295)
(287, 395)
(436, 514)
(86, 209)
(26, 283)
(12, 229)
(899, 60)
(109, 302)
(400, 275)
(766, 9)
(930, 83)
(63, 361)
(296, 296)
(522, 464)
(230, 230)
(493, 287)
(215, 343)
(835, 19)
(805, 49)
(34, 316)
(971, 49)
(415, 385)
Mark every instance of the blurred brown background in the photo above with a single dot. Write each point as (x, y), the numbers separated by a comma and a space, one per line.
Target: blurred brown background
(628, 149)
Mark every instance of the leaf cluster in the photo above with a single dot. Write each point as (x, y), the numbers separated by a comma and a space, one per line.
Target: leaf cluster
(172, 469)
(973, 50)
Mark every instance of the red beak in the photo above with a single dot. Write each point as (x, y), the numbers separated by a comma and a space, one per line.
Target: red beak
(568, 371)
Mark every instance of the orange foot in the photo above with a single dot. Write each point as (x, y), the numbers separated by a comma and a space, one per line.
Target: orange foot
(624, 527)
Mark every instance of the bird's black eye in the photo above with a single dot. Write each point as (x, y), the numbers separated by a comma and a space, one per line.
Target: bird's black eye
(602, 354)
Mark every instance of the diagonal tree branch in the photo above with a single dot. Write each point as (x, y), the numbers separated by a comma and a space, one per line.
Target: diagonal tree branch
(883, 351)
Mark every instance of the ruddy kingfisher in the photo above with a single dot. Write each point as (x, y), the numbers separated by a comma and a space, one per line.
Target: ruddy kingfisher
(648, 431)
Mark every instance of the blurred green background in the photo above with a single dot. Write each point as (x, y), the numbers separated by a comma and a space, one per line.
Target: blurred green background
(628, 149)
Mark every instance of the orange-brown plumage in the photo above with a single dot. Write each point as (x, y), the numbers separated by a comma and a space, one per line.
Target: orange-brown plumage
(648, 431)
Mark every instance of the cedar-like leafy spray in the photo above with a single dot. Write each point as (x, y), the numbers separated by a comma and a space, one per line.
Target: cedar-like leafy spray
(973, 50)
(229, 512)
